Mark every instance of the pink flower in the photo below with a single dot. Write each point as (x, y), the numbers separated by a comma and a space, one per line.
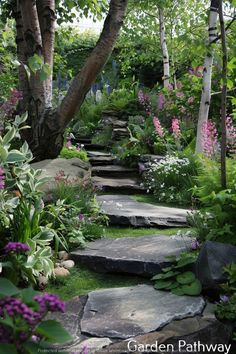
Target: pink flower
(170, 87)
(190, 100)
(161, 101)
(158, 127)
(179, 94)
(209, 139)
(175, 126)
(179, 85)
(231, 135)
(68, 144)
(144, 100)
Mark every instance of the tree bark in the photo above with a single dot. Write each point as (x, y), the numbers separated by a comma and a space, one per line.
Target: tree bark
(223, 97)
(94, 64)
(207, 74)
(165, 53)
(47, 21)
(47, 125)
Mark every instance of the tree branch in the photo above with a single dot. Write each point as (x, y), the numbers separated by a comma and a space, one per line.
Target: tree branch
(99, 56)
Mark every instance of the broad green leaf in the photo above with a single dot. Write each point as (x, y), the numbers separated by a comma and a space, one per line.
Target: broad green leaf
(15, 156)
(8, 349)
(7, 288)
(165, 275)
(192, 289)
(163, 284)
(186, 278)
(53, 331)
(9, 136)
(3, 154)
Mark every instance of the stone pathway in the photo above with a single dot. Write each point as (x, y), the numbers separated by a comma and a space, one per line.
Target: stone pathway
(144, 256)
(115, 320)
(123, 210)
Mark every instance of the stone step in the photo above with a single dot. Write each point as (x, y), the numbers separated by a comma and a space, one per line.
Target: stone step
(92, 153)
(102, 160)
(122, 185)
(114, 171)
(132, 311)
(123, 210)
(144, 256)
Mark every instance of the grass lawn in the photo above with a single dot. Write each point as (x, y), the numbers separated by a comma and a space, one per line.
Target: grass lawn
(149, 198)
(118, 232)
(81, 281)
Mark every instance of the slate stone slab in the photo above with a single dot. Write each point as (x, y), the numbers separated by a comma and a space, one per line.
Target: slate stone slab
(98, 154)
(206, 329)
(213, 257)
(129, 185)
(128, 312)
(143, 256)
(113, 171)
(102, 160)
(123, 210)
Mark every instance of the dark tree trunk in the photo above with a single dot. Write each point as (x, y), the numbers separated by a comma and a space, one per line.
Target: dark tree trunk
(223, 97)
(35, 35)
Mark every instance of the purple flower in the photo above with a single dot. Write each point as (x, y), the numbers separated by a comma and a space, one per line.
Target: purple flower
(2, 179)
(224, 298)
(49, 302)
(15, 307)
(16, 247)
(195, 245)
(161, 101)
(81, 217)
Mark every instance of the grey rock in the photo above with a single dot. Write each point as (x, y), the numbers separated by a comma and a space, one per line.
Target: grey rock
(92, 344)
(128, 312)
(123, 210)
(102, 160)
(70, 319)
(74, 169)
(68, 264)
(63, 255)
(129, 185)
(150, 158)
(213, 257)
(113, 171)
(98, 154)
(191, 330)
(143, 256)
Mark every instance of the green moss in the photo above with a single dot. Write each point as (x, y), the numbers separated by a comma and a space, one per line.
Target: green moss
(70, 153)
(81, 281)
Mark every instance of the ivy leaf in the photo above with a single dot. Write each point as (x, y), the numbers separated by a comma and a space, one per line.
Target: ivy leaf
(45, 72)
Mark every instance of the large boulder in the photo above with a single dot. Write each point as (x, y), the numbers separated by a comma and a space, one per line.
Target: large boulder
(213, 257)
(74, 169)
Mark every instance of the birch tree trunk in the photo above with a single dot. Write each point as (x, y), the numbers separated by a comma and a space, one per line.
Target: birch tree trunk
(165, 54)
(35, 23)
(207, 74)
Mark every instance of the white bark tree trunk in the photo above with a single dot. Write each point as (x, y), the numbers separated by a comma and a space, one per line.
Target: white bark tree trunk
(165, 54)
(207, 74)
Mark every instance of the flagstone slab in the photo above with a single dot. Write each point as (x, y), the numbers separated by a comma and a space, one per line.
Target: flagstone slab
(129, 184)
(144, 256)
(123, 210)
(132, 311)
(112, 171)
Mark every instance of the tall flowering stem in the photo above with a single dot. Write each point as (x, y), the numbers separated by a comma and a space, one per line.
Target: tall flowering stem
(158, 127)
(144, 100)
(175, 126)
(230, 135)
(209, 139)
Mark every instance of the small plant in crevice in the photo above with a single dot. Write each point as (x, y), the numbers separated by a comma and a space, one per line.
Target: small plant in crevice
(177, 279)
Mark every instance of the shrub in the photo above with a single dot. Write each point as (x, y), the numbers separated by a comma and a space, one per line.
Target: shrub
(171, 179)
(69, 153)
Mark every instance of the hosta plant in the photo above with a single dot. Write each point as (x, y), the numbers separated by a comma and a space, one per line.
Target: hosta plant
(177, 279)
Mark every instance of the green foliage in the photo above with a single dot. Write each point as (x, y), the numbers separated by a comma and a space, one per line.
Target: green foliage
(176, 279)
(216, 220)
(230, 286)
(69, 153)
